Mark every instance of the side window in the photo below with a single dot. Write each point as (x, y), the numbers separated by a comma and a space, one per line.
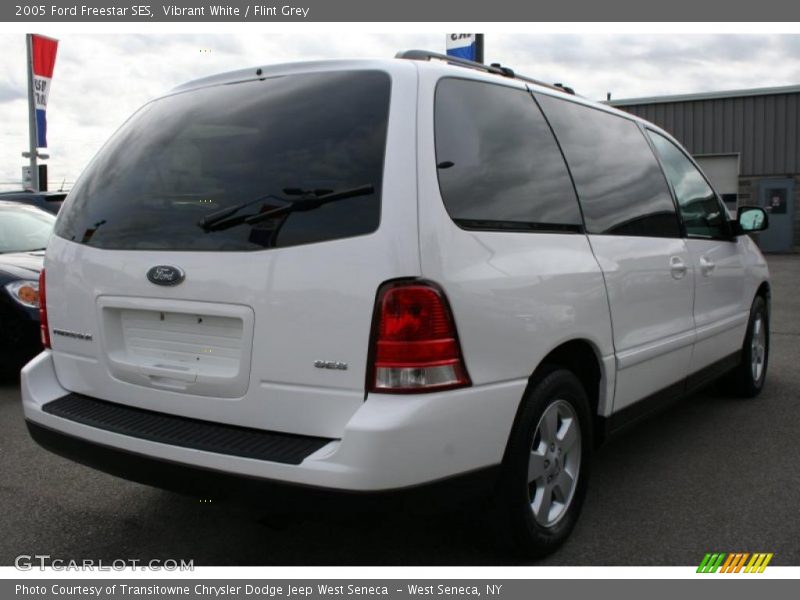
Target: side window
(702, 213)
(620, 185)
(498, 163)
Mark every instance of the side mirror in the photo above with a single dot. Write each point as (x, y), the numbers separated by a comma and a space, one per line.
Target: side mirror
(752, 218)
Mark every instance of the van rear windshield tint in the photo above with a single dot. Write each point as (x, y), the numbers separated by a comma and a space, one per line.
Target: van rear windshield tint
(167, 178)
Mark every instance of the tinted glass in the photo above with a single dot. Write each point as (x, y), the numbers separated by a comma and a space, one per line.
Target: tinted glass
(24, 228)
(701, 211)
(194, 154)
(620, 186)
(499, 166)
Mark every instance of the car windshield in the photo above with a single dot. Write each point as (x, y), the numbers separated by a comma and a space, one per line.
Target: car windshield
(24, 228)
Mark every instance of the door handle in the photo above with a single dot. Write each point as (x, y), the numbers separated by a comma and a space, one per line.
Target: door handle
(677, 267)
(706, 266)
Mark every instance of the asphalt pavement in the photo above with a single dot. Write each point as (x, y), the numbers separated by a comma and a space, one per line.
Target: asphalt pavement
(709, 474)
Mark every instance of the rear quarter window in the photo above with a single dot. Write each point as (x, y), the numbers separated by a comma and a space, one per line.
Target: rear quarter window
(499, 166)
(198, 153)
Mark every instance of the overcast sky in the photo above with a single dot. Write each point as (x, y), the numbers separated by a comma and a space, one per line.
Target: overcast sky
(99, 80)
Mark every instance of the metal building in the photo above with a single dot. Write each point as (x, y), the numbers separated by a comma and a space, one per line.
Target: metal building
(748, 144)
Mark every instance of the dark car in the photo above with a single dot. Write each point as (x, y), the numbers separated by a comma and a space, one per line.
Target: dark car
(24, 232)
(49, 201)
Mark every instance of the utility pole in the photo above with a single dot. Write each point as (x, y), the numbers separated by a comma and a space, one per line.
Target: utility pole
(479, 47)
(32, 155)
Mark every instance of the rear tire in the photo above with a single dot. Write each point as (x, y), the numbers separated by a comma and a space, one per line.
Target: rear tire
(747, 379)
(546, 468)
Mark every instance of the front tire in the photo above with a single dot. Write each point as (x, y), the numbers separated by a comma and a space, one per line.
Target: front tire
(747, 379)
(546, 467)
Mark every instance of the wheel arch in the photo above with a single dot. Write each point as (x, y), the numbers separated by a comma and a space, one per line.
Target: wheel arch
(581, 357)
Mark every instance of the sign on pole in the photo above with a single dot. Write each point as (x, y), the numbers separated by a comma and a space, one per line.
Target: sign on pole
(465, 45)
(27, 179)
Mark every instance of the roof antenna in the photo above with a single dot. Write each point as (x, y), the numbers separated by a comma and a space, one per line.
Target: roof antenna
(63, 181)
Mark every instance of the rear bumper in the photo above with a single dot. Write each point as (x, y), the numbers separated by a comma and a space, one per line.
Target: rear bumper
(390, 443)
(210, 484)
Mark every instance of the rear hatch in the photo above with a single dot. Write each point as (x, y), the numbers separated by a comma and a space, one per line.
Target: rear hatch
(219, 258)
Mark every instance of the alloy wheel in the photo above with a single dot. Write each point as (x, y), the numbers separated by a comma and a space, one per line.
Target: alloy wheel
(554, 463)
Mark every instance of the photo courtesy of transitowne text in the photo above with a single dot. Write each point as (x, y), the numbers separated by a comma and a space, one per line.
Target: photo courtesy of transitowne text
(346, 299)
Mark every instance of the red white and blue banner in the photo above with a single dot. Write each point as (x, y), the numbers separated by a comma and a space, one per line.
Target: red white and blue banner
(43, 59)
(462, 45)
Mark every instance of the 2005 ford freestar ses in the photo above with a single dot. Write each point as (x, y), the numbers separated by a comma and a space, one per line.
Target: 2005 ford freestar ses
(373, 275)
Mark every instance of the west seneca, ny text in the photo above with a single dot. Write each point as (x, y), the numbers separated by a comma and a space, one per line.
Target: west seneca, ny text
(162, 11)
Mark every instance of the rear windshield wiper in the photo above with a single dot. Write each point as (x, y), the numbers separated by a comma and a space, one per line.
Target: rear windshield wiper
(309, 200)
(211, 219)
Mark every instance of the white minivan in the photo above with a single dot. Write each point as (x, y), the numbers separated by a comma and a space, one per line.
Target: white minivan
(374, 275)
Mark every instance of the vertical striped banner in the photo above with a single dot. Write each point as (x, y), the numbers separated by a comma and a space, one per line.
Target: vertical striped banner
(43, 60)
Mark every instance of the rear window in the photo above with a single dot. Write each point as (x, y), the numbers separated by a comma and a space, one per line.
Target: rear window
(186, 171)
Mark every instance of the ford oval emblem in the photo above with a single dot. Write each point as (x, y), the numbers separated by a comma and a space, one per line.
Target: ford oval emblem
(165, 275)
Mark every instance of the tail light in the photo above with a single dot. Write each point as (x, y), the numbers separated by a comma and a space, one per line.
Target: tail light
(415, 346)
(44, 329)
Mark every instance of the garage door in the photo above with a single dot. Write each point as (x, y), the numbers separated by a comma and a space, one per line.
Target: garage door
(723, 171)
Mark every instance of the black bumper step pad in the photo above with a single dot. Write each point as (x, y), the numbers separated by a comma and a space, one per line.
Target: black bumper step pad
(153, 426)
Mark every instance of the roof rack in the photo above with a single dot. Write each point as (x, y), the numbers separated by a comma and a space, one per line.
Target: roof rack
(494, 68)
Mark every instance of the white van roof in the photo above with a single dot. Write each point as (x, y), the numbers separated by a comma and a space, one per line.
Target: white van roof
(420, 59)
